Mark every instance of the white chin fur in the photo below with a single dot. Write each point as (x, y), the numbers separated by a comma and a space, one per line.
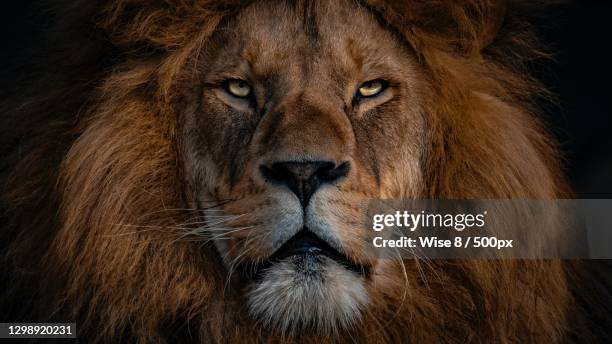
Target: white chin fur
(311, 293)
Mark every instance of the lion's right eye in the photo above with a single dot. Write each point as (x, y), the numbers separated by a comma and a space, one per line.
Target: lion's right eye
(238, 88)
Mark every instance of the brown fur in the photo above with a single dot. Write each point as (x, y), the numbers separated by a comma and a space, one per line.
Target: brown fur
(95, 189)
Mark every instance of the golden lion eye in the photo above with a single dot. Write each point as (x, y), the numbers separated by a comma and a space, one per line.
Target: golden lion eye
(238, 88)
(371, 88)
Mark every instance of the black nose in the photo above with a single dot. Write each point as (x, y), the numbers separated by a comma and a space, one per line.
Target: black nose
(304, 178)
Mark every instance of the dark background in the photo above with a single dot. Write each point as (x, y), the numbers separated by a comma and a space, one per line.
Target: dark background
(578, 34)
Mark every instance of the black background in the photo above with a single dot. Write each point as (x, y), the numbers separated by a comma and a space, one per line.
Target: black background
(578, 34)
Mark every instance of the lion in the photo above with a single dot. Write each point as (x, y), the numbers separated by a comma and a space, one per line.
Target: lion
(193, 171)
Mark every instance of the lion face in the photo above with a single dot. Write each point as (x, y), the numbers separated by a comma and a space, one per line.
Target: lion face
(293, 122)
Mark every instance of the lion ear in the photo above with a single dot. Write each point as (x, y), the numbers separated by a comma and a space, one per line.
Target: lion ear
(160, 25)
(465, 26)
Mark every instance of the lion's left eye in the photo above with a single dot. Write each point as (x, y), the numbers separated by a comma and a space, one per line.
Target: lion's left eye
(238, 88)
(372, 88)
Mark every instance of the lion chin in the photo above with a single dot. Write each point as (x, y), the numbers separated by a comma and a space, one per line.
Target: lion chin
(307, 291)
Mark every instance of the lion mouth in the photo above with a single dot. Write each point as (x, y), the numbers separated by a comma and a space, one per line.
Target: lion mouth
(305, 246)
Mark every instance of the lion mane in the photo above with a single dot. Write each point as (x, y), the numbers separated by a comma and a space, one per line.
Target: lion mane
(92, 192)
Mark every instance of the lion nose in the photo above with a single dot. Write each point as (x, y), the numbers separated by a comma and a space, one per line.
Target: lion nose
(304, 178)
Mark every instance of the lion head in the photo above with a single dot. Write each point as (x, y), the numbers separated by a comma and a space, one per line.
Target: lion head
(324, 116)
(210, 182)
